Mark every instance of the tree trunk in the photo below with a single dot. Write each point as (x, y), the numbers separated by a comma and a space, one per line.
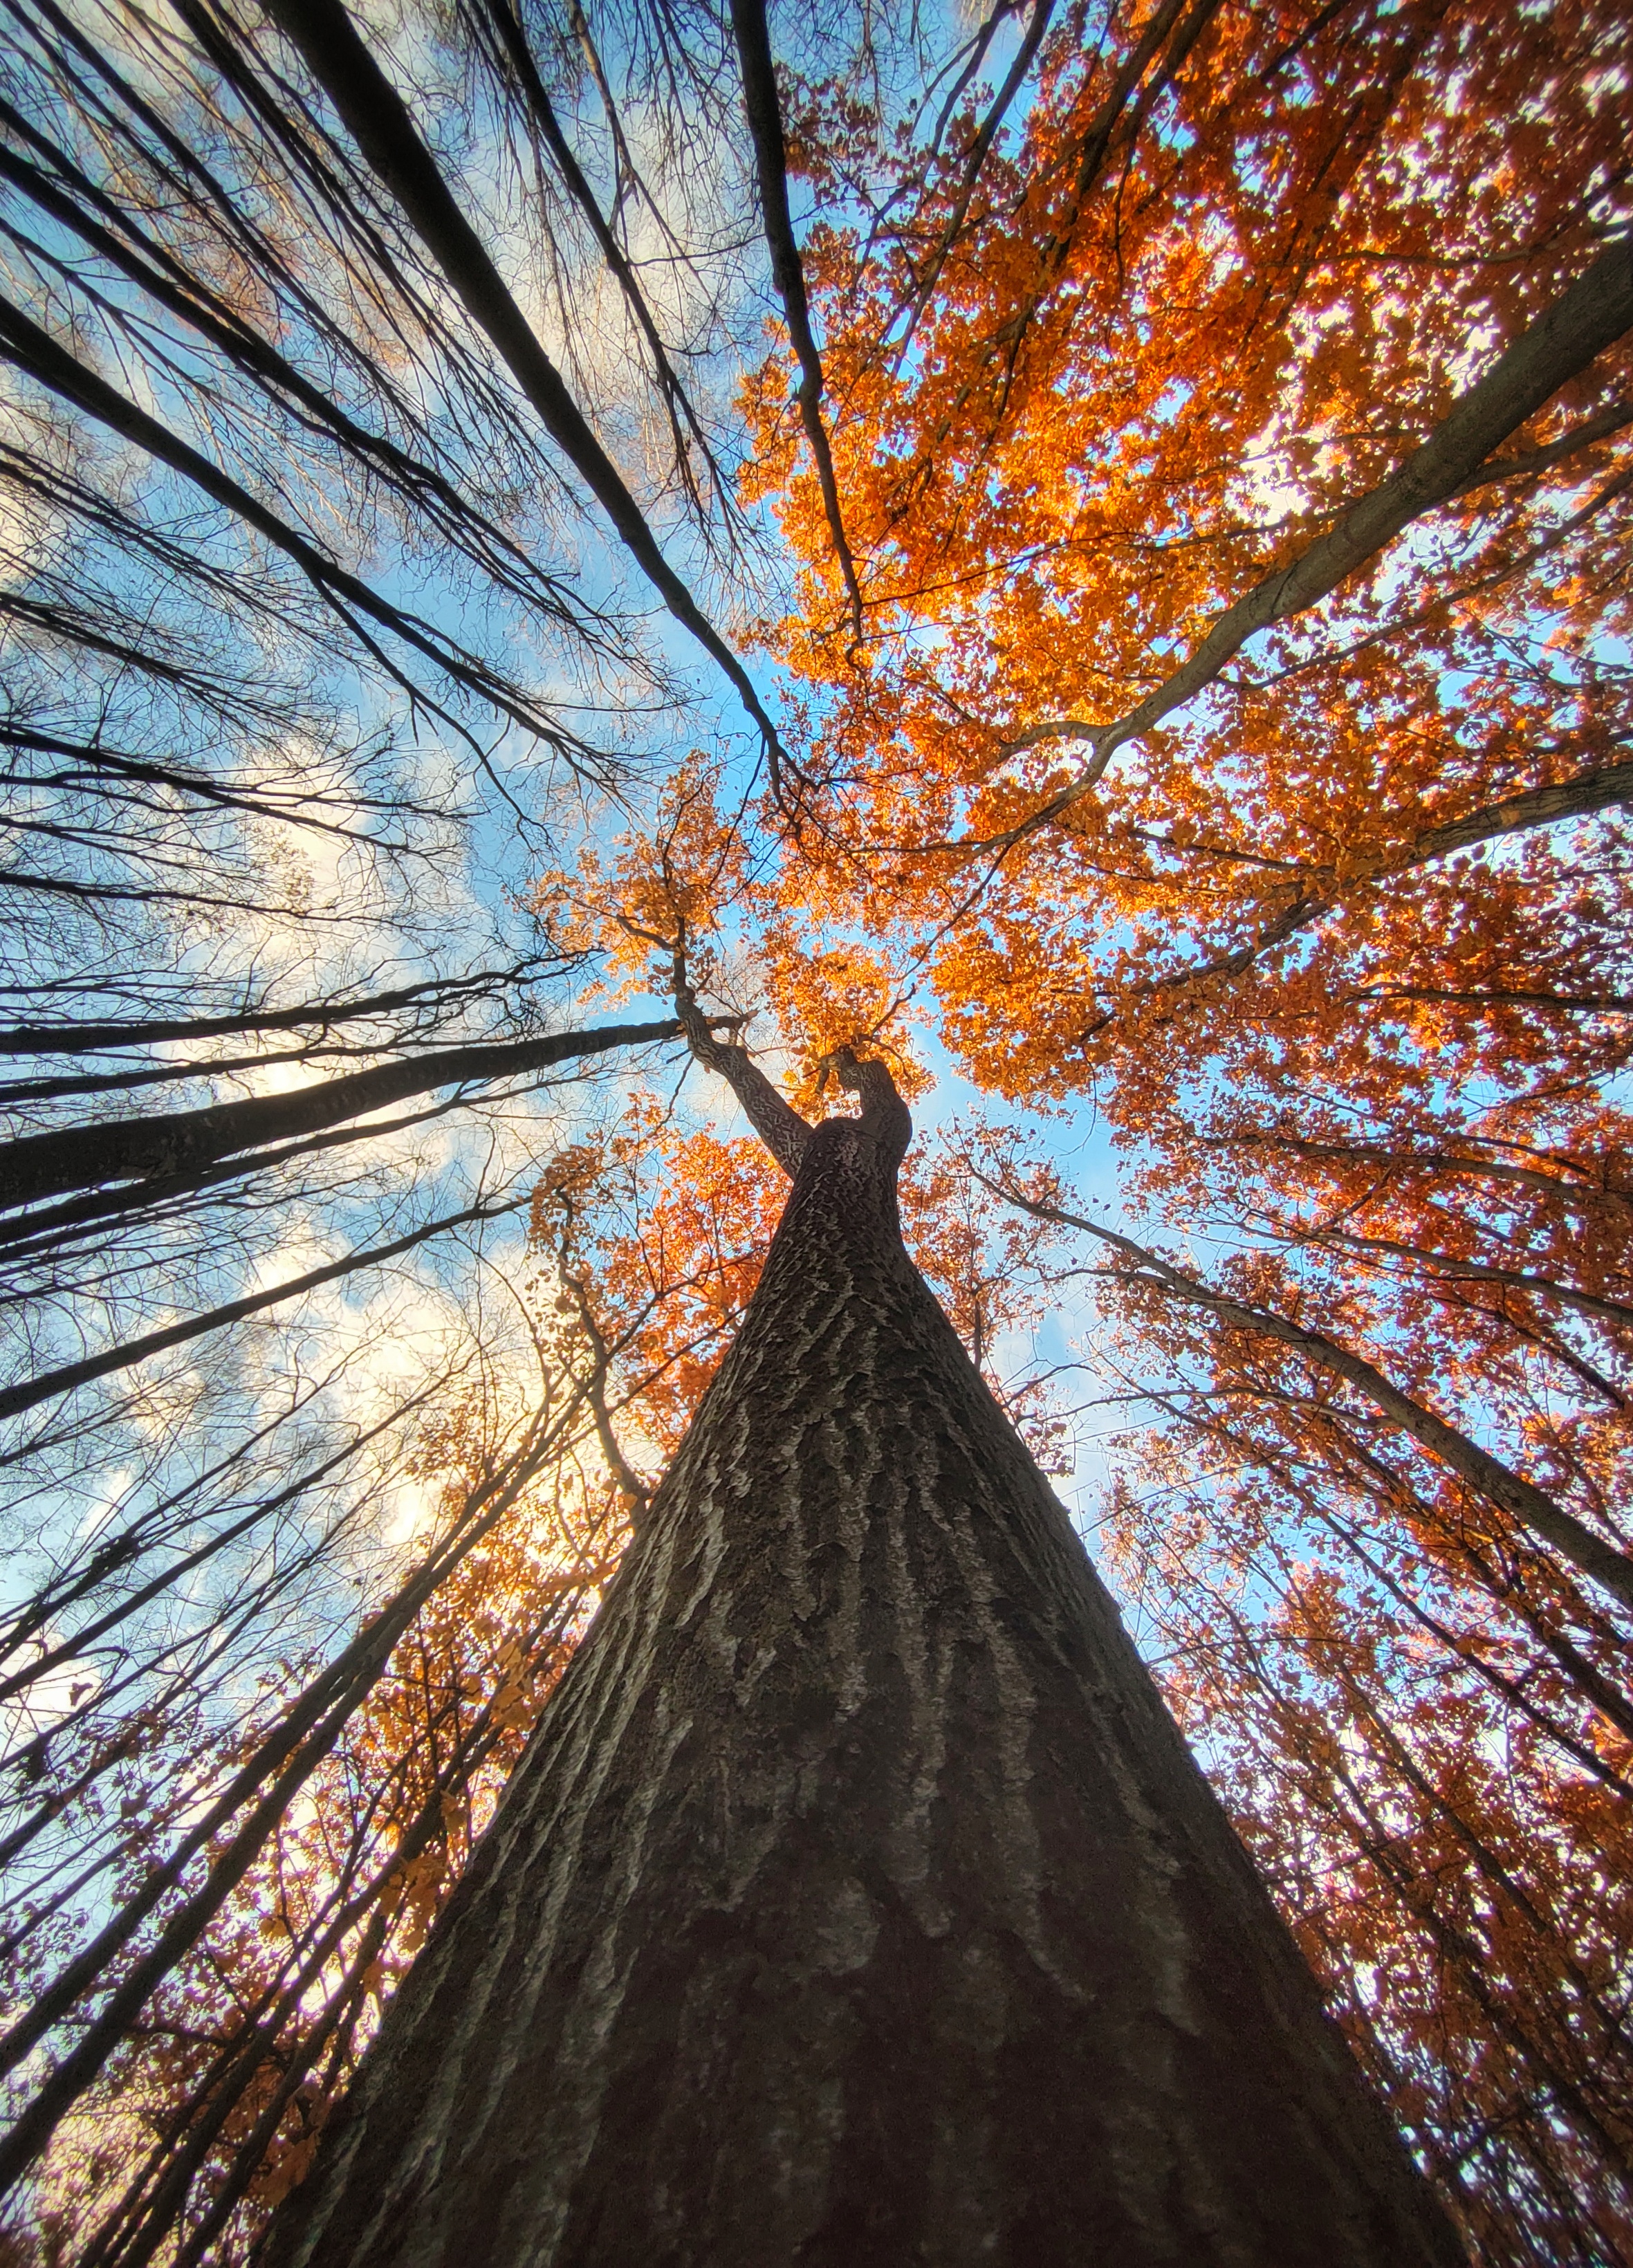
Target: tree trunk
(856, 1902)
(169, 1144)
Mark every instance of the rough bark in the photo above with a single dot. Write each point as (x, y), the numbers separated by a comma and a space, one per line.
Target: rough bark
(856, 1902)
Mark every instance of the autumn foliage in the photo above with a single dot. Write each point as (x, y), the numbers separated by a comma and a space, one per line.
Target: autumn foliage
(1337, 944)
(1204, 718)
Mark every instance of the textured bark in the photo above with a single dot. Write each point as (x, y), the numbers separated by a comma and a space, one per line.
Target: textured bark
(856, 1902)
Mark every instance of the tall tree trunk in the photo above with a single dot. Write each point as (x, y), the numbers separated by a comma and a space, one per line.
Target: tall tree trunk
(168, 1145)
(856, 1902)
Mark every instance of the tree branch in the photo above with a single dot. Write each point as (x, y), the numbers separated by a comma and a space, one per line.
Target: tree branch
(775, 1121)
(1588, 317)
(34, 351)
(83, 1157)
(1525, 1504)
(46, 1383)
(1532, 462)
(379, 121)
(507, 27)
(1602, 789)
(764, 113)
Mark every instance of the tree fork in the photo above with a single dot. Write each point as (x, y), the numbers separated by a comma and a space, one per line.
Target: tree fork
(857, 1901)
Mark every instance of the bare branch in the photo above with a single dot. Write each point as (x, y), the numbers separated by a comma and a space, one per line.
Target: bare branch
(765, 121)
(777, 1123)
(378, 122)
(45, 1385)
(1521, 1500)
